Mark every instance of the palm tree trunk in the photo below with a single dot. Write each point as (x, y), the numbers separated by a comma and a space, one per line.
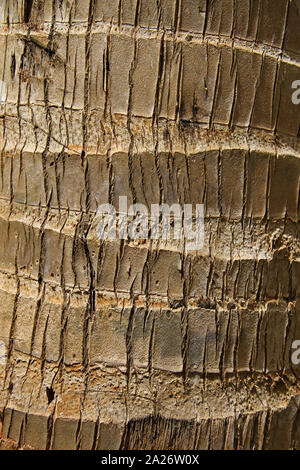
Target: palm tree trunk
(127, 345)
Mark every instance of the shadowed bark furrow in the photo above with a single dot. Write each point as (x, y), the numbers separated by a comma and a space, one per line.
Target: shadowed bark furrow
(253, 21)
(133, 345)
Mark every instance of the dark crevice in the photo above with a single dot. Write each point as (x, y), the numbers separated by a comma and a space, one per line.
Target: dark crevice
(27, 10)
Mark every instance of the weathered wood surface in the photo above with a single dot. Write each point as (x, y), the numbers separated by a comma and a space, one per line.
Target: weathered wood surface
(137, 345)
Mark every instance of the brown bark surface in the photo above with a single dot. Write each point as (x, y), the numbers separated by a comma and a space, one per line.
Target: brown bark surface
(128, 345)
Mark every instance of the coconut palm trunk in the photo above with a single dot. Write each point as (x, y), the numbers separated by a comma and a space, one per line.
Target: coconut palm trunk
(142, 344)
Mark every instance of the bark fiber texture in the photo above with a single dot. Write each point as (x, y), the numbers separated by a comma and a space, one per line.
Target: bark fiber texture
(140, 345)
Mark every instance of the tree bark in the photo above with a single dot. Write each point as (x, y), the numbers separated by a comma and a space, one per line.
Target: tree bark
(140, 345)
